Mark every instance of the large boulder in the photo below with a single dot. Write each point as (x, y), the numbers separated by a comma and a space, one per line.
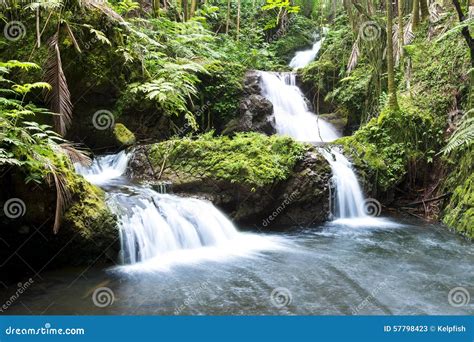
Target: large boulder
(255, 184)
(256, 112)
(88, 233)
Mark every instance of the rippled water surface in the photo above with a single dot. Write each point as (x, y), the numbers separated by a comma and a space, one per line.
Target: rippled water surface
(337, 269)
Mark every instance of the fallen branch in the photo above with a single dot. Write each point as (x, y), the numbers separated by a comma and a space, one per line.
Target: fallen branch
(433, 199)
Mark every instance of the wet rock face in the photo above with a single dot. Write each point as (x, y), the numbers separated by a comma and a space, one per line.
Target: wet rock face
(88, 233)
(300, 200)
(256, 112)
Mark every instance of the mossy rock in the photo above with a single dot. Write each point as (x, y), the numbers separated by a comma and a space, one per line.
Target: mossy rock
(459, 214)
(90, 223)
(338, 119)
(248, 176)
(89, 215)
(459, 211)
(88, 233)
(123, 135)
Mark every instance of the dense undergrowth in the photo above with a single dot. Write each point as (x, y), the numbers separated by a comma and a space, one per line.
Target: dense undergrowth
(400, 148)
(247, 158)
(163, 77)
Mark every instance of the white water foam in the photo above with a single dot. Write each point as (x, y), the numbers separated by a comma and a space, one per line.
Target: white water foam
(292, 116)
(105, 168)
(303, 58)
(160, 230)
(349, 206)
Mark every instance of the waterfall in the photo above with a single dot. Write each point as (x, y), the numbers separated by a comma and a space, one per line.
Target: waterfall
(155, 225)
(303, 58)
(292, 116)
(105, 168)
(349, 200)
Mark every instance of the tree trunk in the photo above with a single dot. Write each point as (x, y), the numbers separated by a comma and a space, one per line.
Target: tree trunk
(193, 8)
(415, 14)
(392, 91)
(400, 28)
(185, 10)
(227, 22)
(155, 4)
(38, 32)
(424, 9)
(238, 18)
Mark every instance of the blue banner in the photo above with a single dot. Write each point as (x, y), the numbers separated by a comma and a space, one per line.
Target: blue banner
(245, 329)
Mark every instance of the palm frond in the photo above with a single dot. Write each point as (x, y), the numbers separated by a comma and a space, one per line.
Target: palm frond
(436, 12)
(75, 154)
(59, 98)
(355, 53)
(408, 35)
(103, 7)
(396, 48)
(463, 136)
(63, 195)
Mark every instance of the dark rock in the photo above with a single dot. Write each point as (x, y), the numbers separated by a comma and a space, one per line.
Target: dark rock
(28, 243)
(256, 112)
(300, 200)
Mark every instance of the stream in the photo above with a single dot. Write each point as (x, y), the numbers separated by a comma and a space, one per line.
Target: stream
(332, 269)
(182, 256)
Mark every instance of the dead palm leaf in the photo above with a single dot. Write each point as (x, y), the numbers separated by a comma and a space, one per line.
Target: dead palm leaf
(408, 35)
(103, 7)
(353, 59)
(63, 195)
(75, 154)
(436, 12)
(59, 97)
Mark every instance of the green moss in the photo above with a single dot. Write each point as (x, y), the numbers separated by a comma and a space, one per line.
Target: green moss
(459, 211)
(459, 214)
(250, 158)
(383, 148)
(123, 135)
(337, 119)
(89, 215)
(438, 68)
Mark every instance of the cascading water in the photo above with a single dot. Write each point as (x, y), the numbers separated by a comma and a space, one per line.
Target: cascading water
(350, 207)
(292, 116)
(303, 58)
(348, 194)
(291, 112)
(105, 169)
(154, 225)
